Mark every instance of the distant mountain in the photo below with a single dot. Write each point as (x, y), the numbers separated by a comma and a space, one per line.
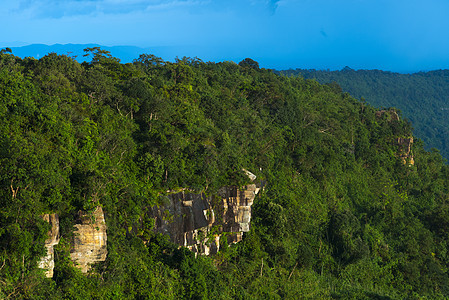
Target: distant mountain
(124, 53)
(422, 97)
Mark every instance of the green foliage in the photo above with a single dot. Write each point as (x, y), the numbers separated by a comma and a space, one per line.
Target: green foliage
(341, 215)
(420, 96)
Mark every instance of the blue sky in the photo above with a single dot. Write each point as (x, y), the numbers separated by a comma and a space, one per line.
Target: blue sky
(395, 35)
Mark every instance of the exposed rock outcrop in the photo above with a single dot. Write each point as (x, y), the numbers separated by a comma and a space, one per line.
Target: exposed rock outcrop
(186, 217)
(404, 144)
(236, 214)
(405, 150)
(193, 220)
(48, 262)
(89, 243)
(197, 221)
(391, 114)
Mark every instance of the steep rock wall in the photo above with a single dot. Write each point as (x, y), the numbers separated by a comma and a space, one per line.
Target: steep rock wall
(193, 220)
(48, 262)
(184, 217)
(90, 238)
(88, 245)
(197, 221)
(405, 150)
(391, 115)
(404, 143)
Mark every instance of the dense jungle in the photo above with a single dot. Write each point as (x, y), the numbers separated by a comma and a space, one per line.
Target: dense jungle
(354, 207)
(421, 96)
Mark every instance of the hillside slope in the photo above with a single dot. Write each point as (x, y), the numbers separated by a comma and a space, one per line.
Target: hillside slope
(353, 206)
(422, 97)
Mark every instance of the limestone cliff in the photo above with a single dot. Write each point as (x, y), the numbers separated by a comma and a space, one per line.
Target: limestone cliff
(89, 242)
(193, 220)
(405, 150)
(404, 144)
(391, 115)
(88, 245)
(197, 221)
(48, 262)
(184, 217)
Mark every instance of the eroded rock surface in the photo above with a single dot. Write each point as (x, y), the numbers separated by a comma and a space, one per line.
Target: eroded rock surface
(391, 115)
(184, 217)
(405, 150)
(197, 222)
(48, 262)
(89, 243)
(193, 220)
(236, 214)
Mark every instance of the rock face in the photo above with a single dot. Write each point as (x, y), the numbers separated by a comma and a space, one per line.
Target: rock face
(186, 217)
(193, 220)
(89, 243)
(404, 144)
(197, 222)
(48, 262)
(236, 214)
(405, 150)
(391, 114)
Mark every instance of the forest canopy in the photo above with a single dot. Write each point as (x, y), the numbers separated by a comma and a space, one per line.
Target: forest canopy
(347, 211)
(422, 97)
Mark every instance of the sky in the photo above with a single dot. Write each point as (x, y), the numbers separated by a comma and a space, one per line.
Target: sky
(394, 35)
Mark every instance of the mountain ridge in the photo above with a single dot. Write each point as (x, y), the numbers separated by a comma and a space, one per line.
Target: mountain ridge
(421, 97)
(125, 53)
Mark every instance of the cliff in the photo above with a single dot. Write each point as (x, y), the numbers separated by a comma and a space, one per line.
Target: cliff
(405, 150)
(391, 114)
(193, 220)
(89, 243)
(197, 221)
(404, 144)
(48, 262)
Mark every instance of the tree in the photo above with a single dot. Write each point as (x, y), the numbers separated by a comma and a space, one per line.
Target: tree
(249, 63)
(5, 50)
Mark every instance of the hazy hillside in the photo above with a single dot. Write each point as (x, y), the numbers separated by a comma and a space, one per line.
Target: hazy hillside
(422, 97)
(353, 206)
